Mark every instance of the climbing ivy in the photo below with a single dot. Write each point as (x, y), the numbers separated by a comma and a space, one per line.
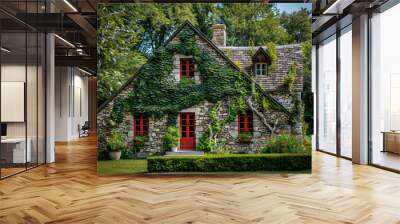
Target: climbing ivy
(298, 109)
(272, 53)
(290, 77)
(155, 92)
(209, 141)
(117, 114)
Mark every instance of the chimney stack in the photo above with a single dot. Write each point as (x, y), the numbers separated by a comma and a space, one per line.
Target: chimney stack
(219, 35)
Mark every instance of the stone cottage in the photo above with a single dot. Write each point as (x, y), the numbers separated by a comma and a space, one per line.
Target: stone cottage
(281, 113)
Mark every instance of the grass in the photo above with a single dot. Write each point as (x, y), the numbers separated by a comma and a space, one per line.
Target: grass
(126, 166)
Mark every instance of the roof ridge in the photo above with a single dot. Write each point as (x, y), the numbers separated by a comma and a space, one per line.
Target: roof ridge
(246, 47)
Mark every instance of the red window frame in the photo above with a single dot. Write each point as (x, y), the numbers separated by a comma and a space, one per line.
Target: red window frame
(140, 125)
(245, 122)
(186, 68)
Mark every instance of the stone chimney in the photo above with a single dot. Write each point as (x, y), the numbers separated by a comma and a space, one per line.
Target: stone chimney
(219, 35)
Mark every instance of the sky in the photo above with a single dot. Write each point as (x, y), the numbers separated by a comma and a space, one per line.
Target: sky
(291, 7)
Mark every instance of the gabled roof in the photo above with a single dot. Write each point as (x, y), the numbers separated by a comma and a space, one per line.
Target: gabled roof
(263, 52)
(212, 45)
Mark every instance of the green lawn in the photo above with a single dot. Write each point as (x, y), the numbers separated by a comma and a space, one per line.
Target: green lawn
(126, 166)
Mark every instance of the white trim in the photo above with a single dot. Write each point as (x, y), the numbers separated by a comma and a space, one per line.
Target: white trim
(258, 69)
(5, 50)
(70, 6)
(64, 40)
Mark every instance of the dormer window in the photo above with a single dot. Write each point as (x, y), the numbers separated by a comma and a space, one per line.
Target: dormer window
(187, 68)
(261, 61)
(261, 68)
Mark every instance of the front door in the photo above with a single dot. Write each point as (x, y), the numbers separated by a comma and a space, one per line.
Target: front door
(188, 131)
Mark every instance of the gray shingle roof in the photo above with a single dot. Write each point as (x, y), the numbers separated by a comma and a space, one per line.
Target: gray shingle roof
(274, 80)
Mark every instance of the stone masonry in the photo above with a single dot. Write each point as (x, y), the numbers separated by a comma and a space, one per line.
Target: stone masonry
(229, 134)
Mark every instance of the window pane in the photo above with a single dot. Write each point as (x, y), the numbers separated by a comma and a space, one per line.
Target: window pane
(385, 88)
(41, 99)
(13, 83)
(327, 95)
(32, 92)
(346, 92)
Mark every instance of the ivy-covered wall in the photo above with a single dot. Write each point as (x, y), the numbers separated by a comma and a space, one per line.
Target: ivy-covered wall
(156, 92)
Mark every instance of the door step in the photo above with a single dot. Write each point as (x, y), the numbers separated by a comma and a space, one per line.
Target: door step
(185, 153)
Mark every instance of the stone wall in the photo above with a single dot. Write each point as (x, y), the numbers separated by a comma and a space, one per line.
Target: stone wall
(229, 133)
(219, 35)
(261, 133)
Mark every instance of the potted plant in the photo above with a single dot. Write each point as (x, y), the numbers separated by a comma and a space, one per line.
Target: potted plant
(172, 138)
(245, 137)
(115, 144)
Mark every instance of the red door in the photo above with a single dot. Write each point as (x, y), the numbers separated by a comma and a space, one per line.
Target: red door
(188, 131)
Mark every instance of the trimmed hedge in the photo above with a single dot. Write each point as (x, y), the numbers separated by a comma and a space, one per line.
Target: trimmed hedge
(232, 162)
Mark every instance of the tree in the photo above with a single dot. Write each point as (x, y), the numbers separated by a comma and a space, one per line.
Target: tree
(118, 37)
(297, 25)
(254, 22)
(160, 21)
(206, 16)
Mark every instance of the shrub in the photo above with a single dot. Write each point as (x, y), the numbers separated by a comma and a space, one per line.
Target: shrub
(245, 137)
(284, 143)
(140, 139)
(172, 137)
(137, 146)
(232, 162)
(307, 143)
(186, 81)
(212, 146)
(128, 154)
(219, 148)
(102, 153)
(204, 143)
(116, 141)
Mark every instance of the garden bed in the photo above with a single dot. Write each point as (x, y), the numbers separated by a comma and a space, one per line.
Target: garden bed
(231, 162)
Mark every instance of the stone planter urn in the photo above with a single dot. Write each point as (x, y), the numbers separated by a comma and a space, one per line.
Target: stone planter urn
(114, 155)
(175, 149)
